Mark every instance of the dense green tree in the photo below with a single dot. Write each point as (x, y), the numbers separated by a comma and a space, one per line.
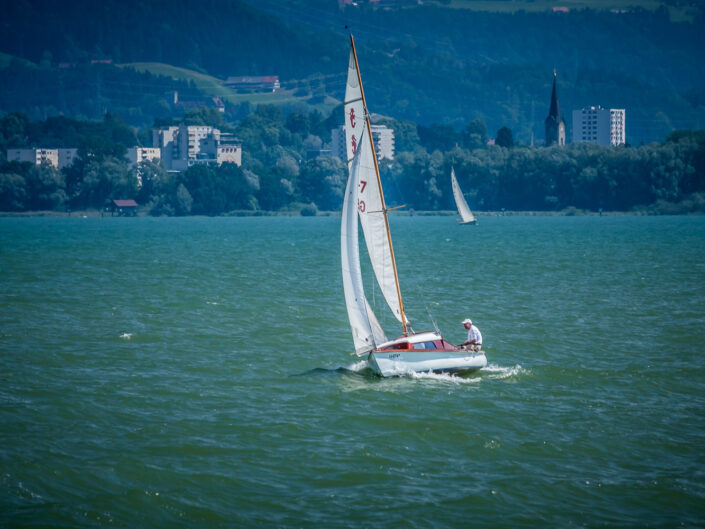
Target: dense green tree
(216, 190)
(46, 188)
(299, 123)
(504, 137)
(183, 202)
(103, 180)
(275, 190)
(406, 136)
(475, 134)
(210, 117)
(13, 192)
(322, 181)
(13, 130)
(155, 181)
(438, 137)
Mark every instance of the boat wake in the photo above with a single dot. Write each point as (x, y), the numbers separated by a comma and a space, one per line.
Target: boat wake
(475, 378)
(495, 372)
(358, 366)
(362, 369)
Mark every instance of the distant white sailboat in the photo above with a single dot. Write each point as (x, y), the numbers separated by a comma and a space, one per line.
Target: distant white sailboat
(364, 200)
(466, 215)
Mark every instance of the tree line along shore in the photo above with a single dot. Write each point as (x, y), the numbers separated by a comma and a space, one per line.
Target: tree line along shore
(279, 176)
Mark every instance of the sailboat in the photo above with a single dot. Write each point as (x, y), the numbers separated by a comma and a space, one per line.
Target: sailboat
(466, 216)
(364, 203)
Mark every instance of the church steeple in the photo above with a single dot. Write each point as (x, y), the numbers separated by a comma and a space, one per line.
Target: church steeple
(555, 126)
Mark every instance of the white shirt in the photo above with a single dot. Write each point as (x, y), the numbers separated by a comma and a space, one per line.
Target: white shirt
(474, 334)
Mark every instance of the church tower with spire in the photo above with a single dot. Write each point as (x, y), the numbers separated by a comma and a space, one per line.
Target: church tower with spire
(555, 126)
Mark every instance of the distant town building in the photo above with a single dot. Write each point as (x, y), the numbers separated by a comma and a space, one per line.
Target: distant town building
(137, 155)
(67, 157)
(183, 146)
(228, 151)
(35, 156)
(382, 136)
(126, 207)
(58, 158)
(337, 144)
(266, 83)
(555, 126)
(618, 126)
(599, 125)
(201, 102)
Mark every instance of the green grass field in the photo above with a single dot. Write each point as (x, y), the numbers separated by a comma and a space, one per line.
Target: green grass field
(6, 59)
(678, 12)
(212, 86)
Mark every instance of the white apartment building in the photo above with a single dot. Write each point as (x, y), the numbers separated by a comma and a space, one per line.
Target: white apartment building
(382, 136)
(137, 155)
(599, 125)
(337, 144)
(187, 145)
(229, 153)
(618, 125)
(58, 158)
(66, 157)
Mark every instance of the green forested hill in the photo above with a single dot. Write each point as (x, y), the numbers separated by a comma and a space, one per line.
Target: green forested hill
(435, 63)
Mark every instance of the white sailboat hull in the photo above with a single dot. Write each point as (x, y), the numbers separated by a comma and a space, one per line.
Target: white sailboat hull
(398, 363)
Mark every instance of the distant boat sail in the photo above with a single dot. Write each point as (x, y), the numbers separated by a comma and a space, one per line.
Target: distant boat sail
(465, 213)
(364, 200)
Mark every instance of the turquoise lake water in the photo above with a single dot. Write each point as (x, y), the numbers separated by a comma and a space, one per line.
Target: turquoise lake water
(197, 372)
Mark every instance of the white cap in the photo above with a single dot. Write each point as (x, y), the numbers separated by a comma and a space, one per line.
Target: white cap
(466, 320)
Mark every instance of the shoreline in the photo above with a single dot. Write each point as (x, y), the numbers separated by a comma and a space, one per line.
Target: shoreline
(443, 213)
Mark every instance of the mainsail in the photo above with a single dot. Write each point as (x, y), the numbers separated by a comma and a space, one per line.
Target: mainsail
(354, 110)
(365, 328)
(370, 203)
(463, 208)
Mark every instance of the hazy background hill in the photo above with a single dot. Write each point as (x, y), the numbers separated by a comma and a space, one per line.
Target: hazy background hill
(437, 63)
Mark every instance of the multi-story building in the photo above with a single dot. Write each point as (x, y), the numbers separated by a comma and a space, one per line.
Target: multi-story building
(165, 139)
(186, 145)
(66, 157)
(58, 158)
(229, 150)
(136, 155)
(382, 136)
(618, 126)
(337, 144)
(599, 125)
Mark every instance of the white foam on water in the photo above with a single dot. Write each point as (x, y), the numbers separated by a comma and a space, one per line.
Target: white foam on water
(357, 366)
(126, 335)
(491, 372)
(445, 377)
(498, 372)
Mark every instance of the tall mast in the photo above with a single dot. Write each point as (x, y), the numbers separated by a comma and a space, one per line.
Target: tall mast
(379, 183)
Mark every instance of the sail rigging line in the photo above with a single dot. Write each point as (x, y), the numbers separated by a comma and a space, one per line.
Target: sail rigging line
(379, 183)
